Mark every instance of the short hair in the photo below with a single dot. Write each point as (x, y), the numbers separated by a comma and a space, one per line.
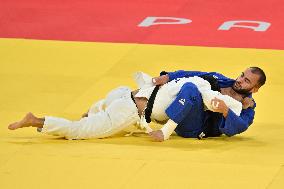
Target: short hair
(260, 72)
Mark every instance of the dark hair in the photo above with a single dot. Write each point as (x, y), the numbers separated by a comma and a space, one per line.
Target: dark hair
(260, 72)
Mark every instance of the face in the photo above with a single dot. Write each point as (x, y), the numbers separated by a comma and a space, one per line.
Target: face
(246, 83)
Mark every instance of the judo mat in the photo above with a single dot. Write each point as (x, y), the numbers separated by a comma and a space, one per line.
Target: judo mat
(58, 57)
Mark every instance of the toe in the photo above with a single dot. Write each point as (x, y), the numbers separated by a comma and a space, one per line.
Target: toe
(13, 126)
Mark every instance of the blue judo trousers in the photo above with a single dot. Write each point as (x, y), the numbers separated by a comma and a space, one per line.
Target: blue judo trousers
(187, 111)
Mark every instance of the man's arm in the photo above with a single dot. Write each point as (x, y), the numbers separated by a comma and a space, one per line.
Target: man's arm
(233, 124)
(182, 73)
(169, 76)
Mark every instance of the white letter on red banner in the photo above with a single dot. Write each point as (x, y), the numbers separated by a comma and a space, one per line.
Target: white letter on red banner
(262, 26)
(150, 21)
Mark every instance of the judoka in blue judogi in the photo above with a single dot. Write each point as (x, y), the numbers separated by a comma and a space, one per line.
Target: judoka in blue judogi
(187, 110)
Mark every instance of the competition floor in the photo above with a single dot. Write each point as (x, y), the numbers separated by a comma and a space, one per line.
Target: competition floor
(57, 58)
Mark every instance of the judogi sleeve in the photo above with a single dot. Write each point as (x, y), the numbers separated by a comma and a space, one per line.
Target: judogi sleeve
(234, 124)
(182, 73)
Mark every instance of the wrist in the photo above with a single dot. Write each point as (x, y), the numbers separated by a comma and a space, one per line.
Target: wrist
(167, 78)
(225, 112)
(168, 129)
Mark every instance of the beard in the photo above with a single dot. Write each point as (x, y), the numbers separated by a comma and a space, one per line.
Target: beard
(237, 88)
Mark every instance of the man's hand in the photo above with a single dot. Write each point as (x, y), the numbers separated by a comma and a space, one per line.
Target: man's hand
(247, 102)
(161, 80)
(219, 106)
(157, 135)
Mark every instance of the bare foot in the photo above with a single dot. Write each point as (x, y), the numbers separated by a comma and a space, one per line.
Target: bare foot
(28, 120)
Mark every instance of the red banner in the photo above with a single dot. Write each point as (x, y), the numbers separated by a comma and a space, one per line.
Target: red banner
(222, 23)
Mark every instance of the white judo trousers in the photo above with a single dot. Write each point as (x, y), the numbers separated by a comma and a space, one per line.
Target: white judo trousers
(105, 118)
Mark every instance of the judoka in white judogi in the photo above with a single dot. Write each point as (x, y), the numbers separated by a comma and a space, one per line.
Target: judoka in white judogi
(118, 111)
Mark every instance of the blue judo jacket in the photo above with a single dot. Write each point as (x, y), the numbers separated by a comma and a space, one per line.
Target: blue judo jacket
(187, 109)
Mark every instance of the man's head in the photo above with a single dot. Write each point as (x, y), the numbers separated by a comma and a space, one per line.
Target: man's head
(250, 80)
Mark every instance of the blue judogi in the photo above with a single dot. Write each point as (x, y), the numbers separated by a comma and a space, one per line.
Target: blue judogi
(187, 109)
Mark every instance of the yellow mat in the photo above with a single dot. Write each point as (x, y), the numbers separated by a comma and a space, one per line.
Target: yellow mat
(65, 78)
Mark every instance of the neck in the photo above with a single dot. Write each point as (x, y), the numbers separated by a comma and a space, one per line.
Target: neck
(232, 93)
(243, 94)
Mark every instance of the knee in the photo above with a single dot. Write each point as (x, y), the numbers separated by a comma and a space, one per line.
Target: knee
(116, 94)
(190, 86)
(191, 90)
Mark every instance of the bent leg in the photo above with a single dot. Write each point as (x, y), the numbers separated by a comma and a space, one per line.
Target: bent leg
(110, 97)
(97, 107)
(187, 111)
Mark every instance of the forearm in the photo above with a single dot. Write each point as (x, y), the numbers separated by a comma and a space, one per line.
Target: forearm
(234, 124)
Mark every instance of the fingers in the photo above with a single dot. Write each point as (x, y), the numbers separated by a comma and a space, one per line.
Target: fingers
(156, 81)
(247, 102)
(219, 106)
(158, 139)
(151, 133)
(250, 102)
(215, 103)
(156, 136)
(160, 80)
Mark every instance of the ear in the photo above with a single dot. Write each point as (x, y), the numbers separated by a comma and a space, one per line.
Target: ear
(255, 89)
